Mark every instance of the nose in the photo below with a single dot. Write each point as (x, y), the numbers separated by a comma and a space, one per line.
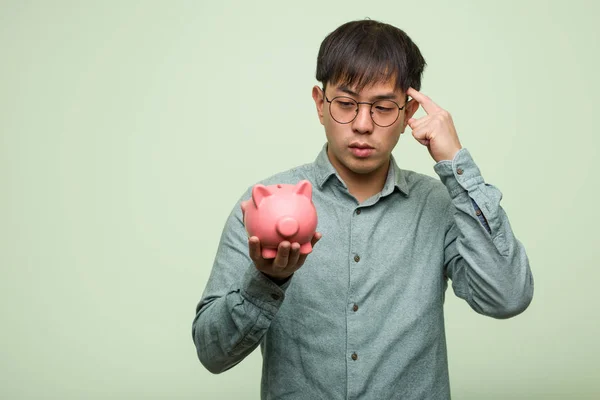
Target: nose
(363, 123)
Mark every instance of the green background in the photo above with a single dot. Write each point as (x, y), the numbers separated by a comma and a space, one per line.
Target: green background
(128, 129)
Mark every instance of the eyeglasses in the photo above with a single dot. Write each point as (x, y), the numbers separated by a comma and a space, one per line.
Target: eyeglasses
(345, 109)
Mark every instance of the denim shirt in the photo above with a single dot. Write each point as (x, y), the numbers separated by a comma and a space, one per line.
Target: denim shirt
(363, 318)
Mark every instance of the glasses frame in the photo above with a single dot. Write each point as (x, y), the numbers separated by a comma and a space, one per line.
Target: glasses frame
(358, 103)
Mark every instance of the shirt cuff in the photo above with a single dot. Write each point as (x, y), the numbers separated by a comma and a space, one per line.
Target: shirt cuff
(262, 291)
(459, 174)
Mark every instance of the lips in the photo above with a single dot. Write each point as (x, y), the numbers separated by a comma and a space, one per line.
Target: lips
(361, 150)
(360, 146)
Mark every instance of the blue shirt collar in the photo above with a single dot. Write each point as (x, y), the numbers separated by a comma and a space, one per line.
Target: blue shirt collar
(395, 178)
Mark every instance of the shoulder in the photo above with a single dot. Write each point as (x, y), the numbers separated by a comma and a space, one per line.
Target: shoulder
(426, 188)
(289, 176)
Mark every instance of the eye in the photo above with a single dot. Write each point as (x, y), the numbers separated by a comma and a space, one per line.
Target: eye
(385, 107)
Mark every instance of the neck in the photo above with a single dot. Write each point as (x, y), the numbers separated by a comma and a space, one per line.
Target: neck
(363, 186)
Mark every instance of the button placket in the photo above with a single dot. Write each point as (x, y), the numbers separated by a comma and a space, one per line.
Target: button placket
(358, 242)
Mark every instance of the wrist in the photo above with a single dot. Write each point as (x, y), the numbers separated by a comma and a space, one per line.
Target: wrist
(278, 280)
(448, 156)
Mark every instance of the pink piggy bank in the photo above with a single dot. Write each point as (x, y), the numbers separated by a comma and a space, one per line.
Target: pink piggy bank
(281, 212)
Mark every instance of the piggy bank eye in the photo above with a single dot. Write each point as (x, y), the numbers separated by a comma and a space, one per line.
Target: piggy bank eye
(278, 186)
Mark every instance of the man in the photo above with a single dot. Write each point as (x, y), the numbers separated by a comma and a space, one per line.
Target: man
(361, 317)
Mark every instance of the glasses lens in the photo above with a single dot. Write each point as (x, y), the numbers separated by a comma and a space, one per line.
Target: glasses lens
(343, 109)
(385, 112)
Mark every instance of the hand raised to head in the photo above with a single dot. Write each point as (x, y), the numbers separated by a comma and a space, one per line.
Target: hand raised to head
(435, 130)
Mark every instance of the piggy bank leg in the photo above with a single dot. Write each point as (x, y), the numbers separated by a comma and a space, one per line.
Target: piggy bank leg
(269, 253)
(306, 248)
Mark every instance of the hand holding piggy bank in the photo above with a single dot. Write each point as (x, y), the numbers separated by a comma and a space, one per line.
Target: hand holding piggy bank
(280, 213)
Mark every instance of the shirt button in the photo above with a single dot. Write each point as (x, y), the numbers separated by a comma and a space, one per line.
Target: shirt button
(478, 213)
(358, 212)
(274, 296)
(356, 258)
(355, 308)
(354, 356)
(459, 171)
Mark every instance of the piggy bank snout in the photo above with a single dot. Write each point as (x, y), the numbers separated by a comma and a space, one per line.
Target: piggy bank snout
(287, 227)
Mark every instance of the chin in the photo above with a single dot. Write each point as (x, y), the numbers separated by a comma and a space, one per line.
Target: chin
(363, 167)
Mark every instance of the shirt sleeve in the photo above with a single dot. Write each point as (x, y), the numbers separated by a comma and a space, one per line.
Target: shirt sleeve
(488, 266)
(238, 303)
(481, 217)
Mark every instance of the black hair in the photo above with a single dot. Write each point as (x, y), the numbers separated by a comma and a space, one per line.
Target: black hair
(360, 53)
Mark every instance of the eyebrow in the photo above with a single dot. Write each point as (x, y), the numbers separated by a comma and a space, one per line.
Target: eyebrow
(384, 96)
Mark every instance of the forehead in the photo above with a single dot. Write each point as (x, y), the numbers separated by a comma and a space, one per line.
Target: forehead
(375, 89)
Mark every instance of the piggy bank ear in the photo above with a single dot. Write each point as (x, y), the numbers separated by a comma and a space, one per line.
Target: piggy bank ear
(259, 192)
(304, 188)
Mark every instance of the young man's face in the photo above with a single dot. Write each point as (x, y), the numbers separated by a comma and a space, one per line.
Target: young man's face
(361, 146)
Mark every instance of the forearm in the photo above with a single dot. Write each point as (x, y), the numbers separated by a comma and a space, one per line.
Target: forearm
(487, 264)
(238, 303)
(229, 327)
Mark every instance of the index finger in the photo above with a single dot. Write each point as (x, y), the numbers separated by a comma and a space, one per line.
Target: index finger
(428, 105)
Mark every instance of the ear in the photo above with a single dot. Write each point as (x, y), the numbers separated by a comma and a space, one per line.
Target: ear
(318, 97)
(304, 188)
(259, 192)
(409, 110)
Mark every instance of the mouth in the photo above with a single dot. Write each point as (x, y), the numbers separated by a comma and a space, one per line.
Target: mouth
(358, 145)
(361, 150)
